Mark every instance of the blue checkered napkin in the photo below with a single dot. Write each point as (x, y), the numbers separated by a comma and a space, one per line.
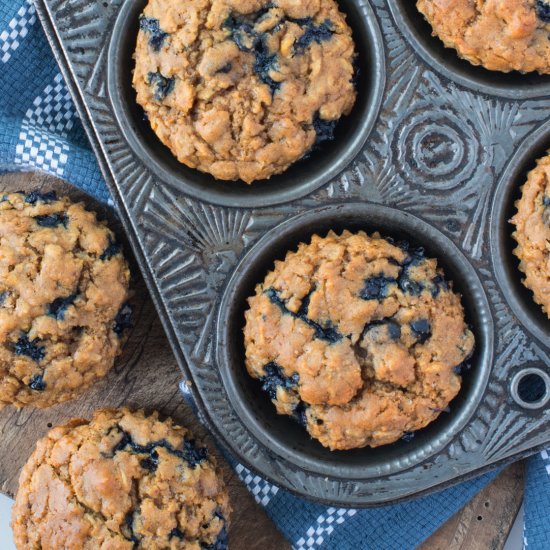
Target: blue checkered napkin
(39, 129)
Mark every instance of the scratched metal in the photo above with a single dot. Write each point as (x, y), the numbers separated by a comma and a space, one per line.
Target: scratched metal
(445, 151)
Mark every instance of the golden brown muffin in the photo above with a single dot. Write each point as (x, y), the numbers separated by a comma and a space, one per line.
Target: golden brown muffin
(532, 234)
(359, 339)
(242, 89)
(501, 35)
(121, 481)
(63, 291)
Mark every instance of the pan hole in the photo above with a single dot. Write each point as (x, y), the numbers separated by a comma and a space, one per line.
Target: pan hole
(479, 518)
(531, 388)
(49, 424)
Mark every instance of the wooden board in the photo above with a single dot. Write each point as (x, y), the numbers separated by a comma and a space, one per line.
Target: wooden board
(485, 522)
(147, 376)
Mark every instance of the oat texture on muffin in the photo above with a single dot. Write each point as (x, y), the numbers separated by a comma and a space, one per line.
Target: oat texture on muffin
(242, 89)
(358, 338)
(63, 292)
(123, 480)
(532, 233)
(501, 35)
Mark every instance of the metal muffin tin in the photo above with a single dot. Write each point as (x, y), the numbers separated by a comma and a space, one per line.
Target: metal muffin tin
(434, 152)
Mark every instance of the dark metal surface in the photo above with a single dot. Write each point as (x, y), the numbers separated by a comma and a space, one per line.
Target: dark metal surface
(444, 137)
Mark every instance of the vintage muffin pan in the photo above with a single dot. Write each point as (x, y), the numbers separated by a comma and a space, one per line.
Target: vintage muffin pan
(434, 151)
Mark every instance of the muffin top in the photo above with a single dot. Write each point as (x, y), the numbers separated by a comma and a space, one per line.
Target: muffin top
(532, 233)
(501, 35)
(242, 89)
(121, 481)
(358, 338)
(63, 291)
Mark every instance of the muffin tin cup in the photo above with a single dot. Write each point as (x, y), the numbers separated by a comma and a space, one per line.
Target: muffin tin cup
(446, 61)
(505, 263)
(419, 158)
(281, 434)
(304, 176)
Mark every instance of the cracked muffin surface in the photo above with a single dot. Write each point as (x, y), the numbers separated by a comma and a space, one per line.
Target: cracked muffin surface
(63, 292)
(501, 35)
(242, 89)
(532, 233)
(121, 481)
(359, 339)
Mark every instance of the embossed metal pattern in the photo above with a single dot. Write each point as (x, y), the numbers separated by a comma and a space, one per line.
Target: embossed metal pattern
(441, 149)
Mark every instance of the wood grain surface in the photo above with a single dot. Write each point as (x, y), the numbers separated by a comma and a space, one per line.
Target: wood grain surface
(485, 522)
(147, 376)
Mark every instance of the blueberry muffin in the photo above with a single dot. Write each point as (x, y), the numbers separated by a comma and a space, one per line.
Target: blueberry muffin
(121, 481)
(242, 89)
(500, 35)
(532, 233)
(358, 338)
(63, 293)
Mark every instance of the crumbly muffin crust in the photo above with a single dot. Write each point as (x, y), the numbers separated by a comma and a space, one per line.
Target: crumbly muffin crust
(532, 233)
(121, 481)
(242, 89)
(359, 339)
(501, 35)
(63, 291)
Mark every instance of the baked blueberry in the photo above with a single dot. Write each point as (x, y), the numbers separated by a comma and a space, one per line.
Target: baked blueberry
(113, 248)
(36, 196)
(543, 10)
(313, 33)
(376, 287)
(162, 86)
(323, 331)
(274, 378)
(123, 319)
(29, 348)
(421, 330)
(51, 220)
(157, 36)
(324, 129)
(37, 383)
(59, 306)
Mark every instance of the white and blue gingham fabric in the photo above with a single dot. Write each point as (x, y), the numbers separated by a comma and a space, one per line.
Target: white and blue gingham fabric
(40, 130)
